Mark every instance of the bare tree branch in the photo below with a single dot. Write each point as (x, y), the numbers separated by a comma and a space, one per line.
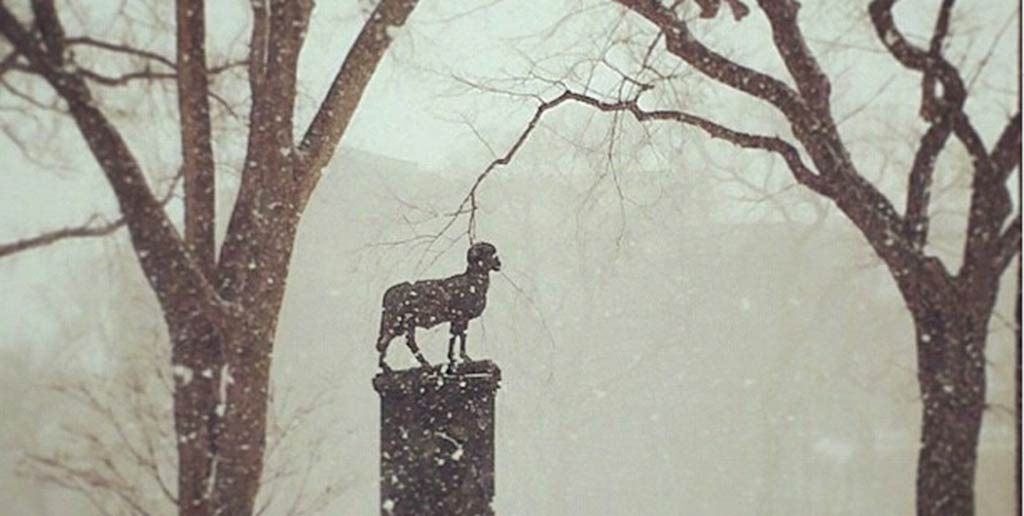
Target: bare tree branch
(930, 62)
(112, 419)
(50, 237)
(934, 139)
(776, 145)
(267, 182)
(258, 45)
(335, 112)
(146, 74)
(990, 198)
(123, 78)
(814, 86)
(681, 42)
(1009, 245)
(862, 202)
(122, 49)
(86, 230)
(920, 181)
(61, 473)
(1006, 153)
(49, 27)
(196, 134)
(53, 105)
(834, 174)
(709, 8)
(8, 62)
(788, 152)
(169, 267)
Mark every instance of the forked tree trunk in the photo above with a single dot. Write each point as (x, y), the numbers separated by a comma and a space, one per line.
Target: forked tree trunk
(221, 314)
(222, 378)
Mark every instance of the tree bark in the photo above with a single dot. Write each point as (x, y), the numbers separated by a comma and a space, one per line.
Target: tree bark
(194, 355)
(221, 310)
(241, 417)
(241, 430)
(196, 134)
(220, 411)
(950, 340)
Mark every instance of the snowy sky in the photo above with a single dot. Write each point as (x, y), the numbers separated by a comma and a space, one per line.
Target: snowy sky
(716, 328)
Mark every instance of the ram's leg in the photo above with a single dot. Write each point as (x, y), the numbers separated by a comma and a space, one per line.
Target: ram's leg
(382, 363)
(410, 340)
(462, 347)
(459, 329)
(382, 347)
(451, 349)
(451, 355)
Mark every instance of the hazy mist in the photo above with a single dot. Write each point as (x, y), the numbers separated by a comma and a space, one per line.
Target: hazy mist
(680, 328)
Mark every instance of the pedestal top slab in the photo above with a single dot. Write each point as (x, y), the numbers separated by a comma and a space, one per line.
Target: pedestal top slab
(477, 374)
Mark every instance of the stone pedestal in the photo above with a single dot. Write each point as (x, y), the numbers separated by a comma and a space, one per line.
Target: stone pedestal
(437, 440)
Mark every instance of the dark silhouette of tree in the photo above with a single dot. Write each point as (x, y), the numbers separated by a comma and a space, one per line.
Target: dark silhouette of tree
(951, 309)
(221, 305)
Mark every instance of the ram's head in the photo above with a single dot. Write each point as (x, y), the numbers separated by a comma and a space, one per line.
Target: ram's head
(483, 256)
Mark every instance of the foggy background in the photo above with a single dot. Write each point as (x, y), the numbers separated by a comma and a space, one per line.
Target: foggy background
(680, 329)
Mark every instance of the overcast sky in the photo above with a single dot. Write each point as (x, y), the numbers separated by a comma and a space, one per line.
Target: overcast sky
(583, 289)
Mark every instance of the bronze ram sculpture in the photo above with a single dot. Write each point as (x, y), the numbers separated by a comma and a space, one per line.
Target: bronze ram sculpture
(427, 303)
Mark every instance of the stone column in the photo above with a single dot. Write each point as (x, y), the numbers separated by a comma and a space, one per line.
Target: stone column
(437, 440)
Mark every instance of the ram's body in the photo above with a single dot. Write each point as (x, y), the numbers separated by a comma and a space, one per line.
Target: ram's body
(425, 304)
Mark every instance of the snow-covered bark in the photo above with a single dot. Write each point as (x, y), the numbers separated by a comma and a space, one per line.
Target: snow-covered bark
(951, 375)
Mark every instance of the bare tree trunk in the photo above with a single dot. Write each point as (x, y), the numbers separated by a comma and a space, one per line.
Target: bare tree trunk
(241, 432)
(222, 415)
(221, 313)
(194, 355)
(241, 418)
(220, 412)
(951, 310)
(951, 376)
